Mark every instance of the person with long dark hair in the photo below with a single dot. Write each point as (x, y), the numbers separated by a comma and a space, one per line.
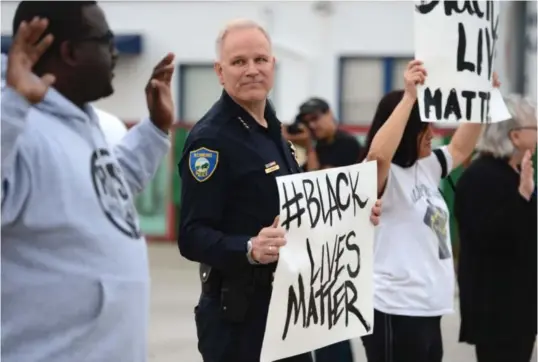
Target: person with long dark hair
(413, 264)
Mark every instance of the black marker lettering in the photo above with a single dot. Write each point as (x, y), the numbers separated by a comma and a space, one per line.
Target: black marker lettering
(350, 305)
(295, 305)
(353, 247)
(426, 8)
(299, 211)
(356, 199)
(479, 55)
(334, 205)
(311, 202)
(452, 105)
(484, 105)
(469, 96)
(341, 177)
(462, 64)
(341, 191)
(451, 8)
(330, 297)
(458, 104)
(434, 101)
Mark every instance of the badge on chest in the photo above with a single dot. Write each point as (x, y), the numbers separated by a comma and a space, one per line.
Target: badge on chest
(271, 167)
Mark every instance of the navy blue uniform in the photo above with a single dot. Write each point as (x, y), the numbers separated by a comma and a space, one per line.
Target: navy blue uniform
(229, 193)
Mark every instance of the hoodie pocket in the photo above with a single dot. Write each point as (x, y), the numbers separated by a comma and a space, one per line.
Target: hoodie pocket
(76, 319)
(43, 317)
(120, 332)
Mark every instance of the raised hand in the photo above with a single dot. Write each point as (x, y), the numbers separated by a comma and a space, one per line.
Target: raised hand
(24, 53)
(266, 246)
(159, 95)
(526, 182)
(414, 74)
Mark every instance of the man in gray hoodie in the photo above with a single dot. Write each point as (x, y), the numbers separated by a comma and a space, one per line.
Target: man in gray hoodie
(75, 280)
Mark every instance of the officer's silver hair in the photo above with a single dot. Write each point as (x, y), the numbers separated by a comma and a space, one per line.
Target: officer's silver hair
(495, 138)
(238, 24)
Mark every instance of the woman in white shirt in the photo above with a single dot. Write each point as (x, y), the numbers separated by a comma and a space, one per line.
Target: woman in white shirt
(413, 265)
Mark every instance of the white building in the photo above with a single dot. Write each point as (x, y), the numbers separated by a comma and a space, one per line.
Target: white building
(349, 53)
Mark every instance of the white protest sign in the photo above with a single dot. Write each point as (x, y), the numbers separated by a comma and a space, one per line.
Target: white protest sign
(323, 288)
(456, 41)
(497, 108)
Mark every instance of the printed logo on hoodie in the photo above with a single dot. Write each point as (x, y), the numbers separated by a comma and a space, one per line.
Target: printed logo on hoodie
(113, 193)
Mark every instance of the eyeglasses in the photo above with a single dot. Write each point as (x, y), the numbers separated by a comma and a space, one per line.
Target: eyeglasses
(532, 128)
(107, 38)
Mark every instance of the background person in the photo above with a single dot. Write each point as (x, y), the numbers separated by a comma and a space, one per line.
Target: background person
(229, 216)
(495, 206)
(413, 262)
(325, 144)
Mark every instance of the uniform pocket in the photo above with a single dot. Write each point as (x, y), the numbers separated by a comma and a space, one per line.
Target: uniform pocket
(214, 335)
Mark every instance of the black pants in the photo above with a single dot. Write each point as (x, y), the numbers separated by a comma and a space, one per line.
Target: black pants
(513, 350)
(404, 339)
(223, 341)
(340, 352)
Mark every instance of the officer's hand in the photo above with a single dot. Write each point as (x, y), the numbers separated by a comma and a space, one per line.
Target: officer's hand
(376, 213)
(266, 245)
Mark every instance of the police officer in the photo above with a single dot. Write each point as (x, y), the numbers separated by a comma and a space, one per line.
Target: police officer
(228, 219)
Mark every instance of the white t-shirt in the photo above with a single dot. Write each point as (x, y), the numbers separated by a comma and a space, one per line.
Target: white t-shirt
(413, 265)
(113, 127)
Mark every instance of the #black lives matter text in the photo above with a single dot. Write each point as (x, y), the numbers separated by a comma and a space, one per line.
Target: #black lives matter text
(454, 100)
(342, 194)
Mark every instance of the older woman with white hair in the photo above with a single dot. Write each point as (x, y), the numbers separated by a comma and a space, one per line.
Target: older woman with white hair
(495, 207)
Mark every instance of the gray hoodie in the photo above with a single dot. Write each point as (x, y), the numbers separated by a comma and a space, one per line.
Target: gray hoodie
(75, 280)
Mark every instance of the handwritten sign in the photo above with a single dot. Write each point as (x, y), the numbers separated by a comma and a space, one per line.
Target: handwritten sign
(498, 110)
(322, 290)
(456, 41)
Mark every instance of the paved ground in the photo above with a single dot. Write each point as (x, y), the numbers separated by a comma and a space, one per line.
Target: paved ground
(176, 290)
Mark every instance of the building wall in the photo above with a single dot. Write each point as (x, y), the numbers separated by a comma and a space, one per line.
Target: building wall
(308, 39)
(348, 52)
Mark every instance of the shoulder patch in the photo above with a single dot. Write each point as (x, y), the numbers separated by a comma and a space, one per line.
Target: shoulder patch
(203, 163)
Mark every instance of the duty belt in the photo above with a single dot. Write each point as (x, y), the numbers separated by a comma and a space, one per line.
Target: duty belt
(260, 277)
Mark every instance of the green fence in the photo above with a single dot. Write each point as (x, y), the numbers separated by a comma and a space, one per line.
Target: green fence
(155, 221)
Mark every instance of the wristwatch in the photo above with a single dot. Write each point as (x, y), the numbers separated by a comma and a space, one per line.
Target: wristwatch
(249, 253)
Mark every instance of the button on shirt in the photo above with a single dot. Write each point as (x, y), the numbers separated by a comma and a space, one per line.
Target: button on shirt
(229, 192)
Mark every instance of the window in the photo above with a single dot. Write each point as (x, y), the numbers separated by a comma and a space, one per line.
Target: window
(398, 69)
(199, 89)
(361, 88)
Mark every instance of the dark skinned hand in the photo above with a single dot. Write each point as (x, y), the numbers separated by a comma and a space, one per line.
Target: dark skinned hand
(159, 95)
(23, 55)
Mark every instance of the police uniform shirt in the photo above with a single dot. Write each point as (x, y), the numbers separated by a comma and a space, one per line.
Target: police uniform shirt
(229, 192)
